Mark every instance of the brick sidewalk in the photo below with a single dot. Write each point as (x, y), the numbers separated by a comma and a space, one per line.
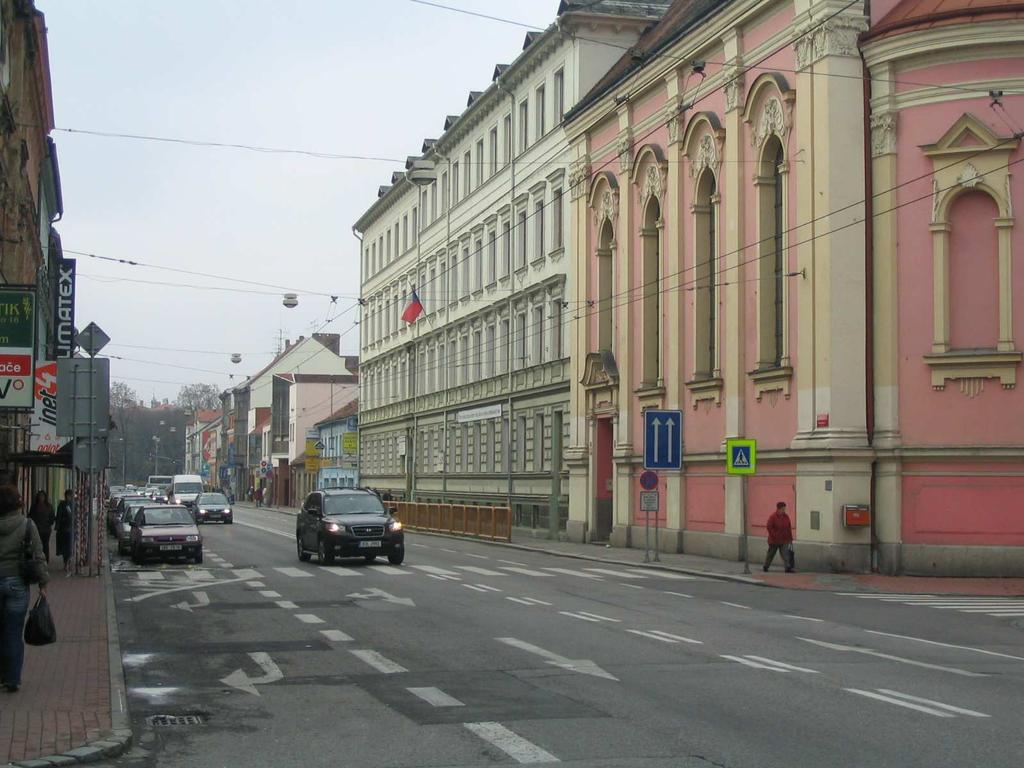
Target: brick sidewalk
(64, 701)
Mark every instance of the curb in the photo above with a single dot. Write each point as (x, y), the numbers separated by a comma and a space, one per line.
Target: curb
(737, 578)
(119, 739)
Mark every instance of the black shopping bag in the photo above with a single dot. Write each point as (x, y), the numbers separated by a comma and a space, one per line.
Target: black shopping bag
(40, 629)
(792, 556)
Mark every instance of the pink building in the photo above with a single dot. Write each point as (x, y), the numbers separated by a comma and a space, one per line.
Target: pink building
(787, 251)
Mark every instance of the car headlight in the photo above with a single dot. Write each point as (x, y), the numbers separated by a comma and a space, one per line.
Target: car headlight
(192, 537)
(202, 511)
(333, 527)
(227, 510)
(395, 525)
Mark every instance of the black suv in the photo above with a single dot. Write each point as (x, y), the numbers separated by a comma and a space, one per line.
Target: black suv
(347, 522)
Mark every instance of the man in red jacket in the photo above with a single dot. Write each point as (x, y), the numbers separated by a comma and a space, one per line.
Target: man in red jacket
(780, 537)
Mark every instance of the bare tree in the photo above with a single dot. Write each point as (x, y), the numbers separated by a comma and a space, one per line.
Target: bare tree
(199, 397)
(122, 396)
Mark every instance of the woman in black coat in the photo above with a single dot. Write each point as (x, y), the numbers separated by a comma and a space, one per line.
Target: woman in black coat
(65, 517)
(43, 516)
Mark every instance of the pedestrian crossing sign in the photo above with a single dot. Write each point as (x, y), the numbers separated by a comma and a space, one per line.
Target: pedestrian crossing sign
(741, 457)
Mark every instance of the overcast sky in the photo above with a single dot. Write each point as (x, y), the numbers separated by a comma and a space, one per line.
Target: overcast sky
(332, 76)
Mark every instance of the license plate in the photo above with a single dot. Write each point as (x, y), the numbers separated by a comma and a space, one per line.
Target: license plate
(169, 547)
(369, 544)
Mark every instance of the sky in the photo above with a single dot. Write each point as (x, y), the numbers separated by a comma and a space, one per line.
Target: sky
(325, 76)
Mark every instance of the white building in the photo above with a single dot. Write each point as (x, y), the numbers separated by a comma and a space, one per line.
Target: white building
(466, 403)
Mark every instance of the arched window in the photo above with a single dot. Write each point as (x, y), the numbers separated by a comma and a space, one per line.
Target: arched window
(605, 297)
(651, 238)
(771, 194)
(706, 290)
(973, 272)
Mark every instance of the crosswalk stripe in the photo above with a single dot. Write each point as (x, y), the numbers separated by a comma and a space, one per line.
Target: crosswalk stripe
(344, 571)
(390, 570)
(433, 569)
(379, 662)
(150, 575)
(580, 616)
(200, 574)
(435, 697)
(336, 635)
(308, 618)
(295, 573)
(480, 571)
(511, 743)
(525, 571)
(474, 587)
(520, 601)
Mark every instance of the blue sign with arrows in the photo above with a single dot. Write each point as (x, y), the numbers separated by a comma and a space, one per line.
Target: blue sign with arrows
(663, 439)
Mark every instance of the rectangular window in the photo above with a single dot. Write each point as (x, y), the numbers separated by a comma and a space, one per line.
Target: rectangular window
(557, 232)
(480, 162)
(492, 256)
(467, 174)
(521, 240)
(464, 448)
(474, 430)
(478, 354)
(503, 347)
(433, 201)
(444, 192)
(507, 149)
(453, 289)
(492, 140)
(506, 444)
(442, 367)
(559, 96)
(485, 446)
(465, 272)
(489, 352)
(389, 246)
(428, 295)
(506, 248)
(524, 124)
(455, 183)
(429, 384)
(373, 258)
(396, 239)
(415, 224)
(556, 329)
(539, 106)
(405, 233)
(521, 443)
(537, 333)
(520, 361)
(478, 265)
(538, 443)
(538, 229)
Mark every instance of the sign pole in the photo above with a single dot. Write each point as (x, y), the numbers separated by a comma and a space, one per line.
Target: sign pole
(743, 523)
(647, 537)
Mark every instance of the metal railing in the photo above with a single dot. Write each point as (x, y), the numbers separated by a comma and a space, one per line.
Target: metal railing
(493, 523)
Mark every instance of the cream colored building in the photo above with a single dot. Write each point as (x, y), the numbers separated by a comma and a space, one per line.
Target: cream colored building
(467, 403)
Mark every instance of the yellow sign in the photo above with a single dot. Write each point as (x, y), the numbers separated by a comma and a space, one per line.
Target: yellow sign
(350, 442)
(312, 455)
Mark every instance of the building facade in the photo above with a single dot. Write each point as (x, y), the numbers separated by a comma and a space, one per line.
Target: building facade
(338, 456)
(781, 253)
(467, 403)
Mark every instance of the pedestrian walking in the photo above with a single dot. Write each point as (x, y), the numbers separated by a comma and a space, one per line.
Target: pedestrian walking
(14, 591)
(43, 516)
(65, 525)
(259, 497)
(780, 537)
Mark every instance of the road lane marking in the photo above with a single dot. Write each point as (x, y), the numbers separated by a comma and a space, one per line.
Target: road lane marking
(200, 574)
(161, 591)
(631, 586)
(802, 618)
(735, 605)
(933, 703)
(582, 666)
(900, 703)
(295, 573)
(269, 593)
(474, 587)
(342, 571)
(520, 600)
(511, 562)
(453, 551)
(378, 662)
(286, 604)
(390, 570)
(511, 743)
(680, 638)
(150, 576)
(663, 574)
(255, 584)
(652, 636)
(678, 594)
(246, 573)
(435, 697)
(478, 557)
(488, 588)
(480, 571)
(433, 569)
(570, 572)
(599, 617)
(579, 616)
(228, 566)
(308, 618)
(527, 571)
(265, 530)
(890, 657)
(535, 601)
(946, 645)
(441, 577)
(242, 681)
(336, 635)
(782, 664)
(750, 663)
(618, 574)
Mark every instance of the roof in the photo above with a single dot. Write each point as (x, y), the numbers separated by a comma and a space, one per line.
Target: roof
(318, 378)
(912, 15)
(204, 417)
(349, 409)
(330, 340)
(262, 419)
(651, 9)
(678, 19)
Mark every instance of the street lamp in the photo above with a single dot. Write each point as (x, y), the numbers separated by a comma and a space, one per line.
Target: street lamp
(156, 455)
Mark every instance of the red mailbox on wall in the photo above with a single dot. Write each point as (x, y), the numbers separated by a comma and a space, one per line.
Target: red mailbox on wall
(856, 515)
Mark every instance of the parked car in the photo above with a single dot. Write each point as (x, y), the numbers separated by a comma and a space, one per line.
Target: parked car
(118, 506)
(213, 506)
(347, 522)
(123, 527)
(165, 531)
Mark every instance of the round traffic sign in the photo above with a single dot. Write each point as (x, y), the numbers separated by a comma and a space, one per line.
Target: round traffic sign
(649, 480)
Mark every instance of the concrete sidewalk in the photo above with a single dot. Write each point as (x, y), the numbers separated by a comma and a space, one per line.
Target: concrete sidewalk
(728, 570)
(62, 714)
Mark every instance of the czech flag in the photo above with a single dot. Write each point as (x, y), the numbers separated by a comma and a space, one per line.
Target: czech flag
(414, 310)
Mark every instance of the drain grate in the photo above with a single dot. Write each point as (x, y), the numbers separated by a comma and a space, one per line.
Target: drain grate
(174, 720)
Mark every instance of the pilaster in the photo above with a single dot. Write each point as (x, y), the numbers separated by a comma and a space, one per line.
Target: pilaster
(674, 338)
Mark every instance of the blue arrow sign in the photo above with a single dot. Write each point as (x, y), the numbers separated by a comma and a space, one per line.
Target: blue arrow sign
(663, 439)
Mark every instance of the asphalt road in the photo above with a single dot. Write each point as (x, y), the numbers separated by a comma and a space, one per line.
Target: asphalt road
(477, 655)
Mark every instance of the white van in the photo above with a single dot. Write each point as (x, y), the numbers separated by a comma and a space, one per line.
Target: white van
(184, 489)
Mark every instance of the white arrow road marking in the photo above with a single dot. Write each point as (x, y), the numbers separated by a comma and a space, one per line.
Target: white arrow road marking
(583, 666)
(378, 662)
(928, 706)
(511, 743)
(140, 598)
(243, 682)
(901, 659)
(380, 594)
(202, 600)
(435, 697)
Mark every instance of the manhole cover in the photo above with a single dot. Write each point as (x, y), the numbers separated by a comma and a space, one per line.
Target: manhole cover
(174, 720)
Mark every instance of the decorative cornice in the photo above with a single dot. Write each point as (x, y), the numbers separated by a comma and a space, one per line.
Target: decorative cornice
(653, 186)
(883, 134)
(608, 208)
(835, 37)
(706, 156)
(772, 122)
(579, 177)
